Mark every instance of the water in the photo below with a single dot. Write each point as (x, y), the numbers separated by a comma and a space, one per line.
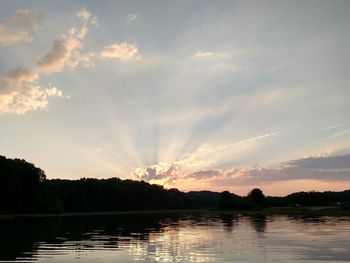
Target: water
(180, 238)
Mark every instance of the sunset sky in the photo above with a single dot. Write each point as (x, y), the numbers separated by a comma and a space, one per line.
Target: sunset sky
(215, 95)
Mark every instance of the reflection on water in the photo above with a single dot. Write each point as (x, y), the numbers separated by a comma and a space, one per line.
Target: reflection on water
(182, 238)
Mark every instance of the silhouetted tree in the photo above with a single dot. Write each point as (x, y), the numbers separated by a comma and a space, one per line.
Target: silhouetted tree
(257, 197)
(228, 200)
(20, 186)
(225, 200)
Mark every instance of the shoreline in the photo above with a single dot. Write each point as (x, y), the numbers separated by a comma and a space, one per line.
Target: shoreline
(311, 211)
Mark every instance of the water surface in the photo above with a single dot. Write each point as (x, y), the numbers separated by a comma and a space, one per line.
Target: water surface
(176, 238)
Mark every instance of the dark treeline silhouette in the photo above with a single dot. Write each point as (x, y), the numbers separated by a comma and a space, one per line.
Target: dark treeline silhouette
(257, 200)
(24, 189)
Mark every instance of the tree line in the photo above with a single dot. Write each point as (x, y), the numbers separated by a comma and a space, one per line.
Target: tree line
(24, 188)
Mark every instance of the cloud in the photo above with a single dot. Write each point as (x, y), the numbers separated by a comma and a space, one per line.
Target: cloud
(341, 162)
(326, 169)
(207, 150)
(163, 173)
(332, 127)
(132, 17)
(59, 55)
(122, 51)
(331, 168)
(205, 174)
(186, 167)
(200, 54)
(20, 27)
(19, 90)
(30, 98)
(219, 55)
(324, 153)
(16, 77)
(65, 51)
(84, 15)
(200, 156)
(94, 21)
(20, 93)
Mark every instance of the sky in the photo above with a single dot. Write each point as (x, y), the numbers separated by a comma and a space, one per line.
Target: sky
(197, 95)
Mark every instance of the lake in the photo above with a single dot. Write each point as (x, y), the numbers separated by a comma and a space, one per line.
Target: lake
(176, 238)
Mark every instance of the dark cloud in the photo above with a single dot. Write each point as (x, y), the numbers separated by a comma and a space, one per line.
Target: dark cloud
(333, 168)
(327, 163)
(206, 174)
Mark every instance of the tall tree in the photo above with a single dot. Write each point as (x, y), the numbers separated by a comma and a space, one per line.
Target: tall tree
(257, 196)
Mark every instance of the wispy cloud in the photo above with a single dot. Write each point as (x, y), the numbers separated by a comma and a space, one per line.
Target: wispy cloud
(200, 156)
(205, 150)
(219, 54)
(122, 51)
(84, 15)
(20, 27)
(168, 173)
(200, 54)
(132, 17)
(332, 127)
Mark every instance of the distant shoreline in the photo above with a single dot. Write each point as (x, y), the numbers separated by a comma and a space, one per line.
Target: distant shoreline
(312, 211)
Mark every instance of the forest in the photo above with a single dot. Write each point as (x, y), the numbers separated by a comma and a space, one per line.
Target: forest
(24, 189)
